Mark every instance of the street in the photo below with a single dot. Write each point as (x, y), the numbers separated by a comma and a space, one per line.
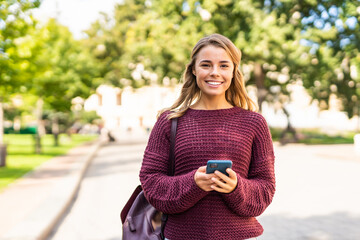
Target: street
(317, 196)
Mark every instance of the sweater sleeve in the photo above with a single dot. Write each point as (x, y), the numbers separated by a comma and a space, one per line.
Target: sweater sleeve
(255, 192)
(169, 194)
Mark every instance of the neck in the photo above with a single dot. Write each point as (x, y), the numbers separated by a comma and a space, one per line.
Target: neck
(211, 104)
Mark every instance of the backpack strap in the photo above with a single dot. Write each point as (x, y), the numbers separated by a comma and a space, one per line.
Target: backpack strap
(171, 169)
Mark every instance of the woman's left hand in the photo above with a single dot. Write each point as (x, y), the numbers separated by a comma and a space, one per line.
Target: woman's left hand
(224, 184)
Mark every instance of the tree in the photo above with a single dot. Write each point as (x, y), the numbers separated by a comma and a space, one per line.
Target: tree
(15, 22)
(162, 37)
(62, 70)
(333, 32)
(283, 42)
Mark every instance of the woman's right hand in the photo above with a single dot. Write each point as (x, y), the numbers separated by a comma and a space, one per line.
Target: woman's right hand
(203, 180)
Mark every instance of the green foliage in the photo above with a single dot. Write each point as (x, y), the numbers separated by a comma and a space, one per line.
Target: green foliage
(15, 23)
(315, 136)
(24, 130)
(62, 69)
(42, 61)
(58, 69)
(313, 43)
(11, 113)
(88, 117)
(333, 32)
(283, 42)
(143, 38)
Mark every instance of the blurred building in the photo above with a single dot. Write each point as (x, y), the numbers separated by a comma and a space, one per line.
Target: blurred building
(305, 113)
(128, 109)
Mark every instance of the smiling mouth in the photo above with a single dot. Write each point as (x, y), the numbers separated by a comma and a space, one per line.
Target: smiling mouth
(213, 83)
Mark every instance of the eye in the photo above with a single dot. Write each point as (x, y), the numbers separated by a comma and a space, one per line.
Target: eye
(224, 66)
(205, 65)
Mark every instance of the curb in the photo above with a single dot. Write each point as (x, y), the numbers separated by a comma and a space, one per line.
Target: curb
(88, 159)
(41, 222)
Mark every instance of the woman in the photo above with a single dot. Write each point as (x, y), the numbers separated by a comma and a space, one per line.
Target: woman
(216, 122)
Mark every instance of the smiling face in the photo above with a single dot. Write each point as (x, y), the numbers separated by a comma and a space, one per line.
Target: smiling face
(214, 72)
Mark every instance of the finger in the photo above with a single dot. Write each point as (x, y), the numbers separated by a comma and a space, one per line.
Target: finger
(214, 178)
(201, 174)
(220, 183)
(202, 169)
(209, 176)
(222, 176)
(232, 173)
(206, 183)
(218, 189)
(206, 177)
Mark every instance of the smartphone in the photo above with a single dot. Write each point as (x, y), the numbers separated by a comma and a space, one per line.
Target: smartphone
(220, 165)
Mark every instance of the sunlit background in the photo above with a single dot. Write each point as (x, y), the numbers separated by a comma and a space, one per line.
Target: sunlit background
(77, 15)
(74, 70)
(300, 60)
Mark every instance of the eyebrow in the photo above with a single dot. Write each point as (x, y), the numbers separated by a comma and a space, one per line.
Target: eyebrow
(208, 61)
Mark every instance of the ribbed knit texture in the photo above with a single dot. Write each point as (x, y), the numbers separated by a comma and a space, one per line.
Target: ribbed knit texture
(228, 134)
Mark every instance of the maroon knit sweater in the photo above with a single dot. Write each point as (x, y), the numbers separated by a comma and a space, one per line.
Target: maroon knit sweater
(229, 134)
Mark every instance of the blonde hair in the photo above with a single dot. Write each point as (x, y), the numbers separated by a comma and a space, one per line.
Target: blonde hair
(190, 92)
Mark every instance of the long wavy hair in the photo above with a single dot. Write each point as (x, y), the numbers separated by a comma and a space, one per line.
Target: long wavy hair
(236, 94)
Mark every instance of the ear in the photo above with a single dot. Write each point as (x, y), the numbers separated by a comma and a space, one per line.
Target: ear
(193, 72)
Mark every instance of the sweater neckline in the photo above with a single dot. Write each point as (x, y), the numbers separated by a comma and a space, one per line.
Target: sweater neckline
(204, 112)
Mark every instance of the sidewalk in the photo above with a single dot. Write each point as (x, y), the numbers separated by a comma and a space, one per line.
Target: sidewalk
(317, 194)
(31, 206)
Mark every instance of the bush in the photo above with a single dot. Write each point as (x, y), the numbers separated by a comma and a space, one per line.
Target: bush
(315, 136)
(25, 130)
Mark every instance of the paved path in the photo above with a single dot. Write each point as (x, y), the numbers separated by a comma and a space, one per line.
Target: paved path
(106, 187)
(30, 207)
(317, 195)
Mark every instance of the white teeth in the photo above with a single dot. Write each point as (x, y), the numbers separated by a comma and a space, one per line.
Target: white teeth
(214, 83)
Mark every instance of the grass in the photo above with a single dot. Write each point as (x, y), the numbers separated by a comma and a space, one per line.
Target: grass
(314, 136)
(21, 157)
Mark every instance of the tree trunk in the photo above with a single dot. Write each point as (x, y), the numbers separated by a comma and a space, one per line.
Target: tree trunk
(40, 126)
(55, 130)
(3, 152)
(37, 143)
(358, 118)
(259, 77)
(1, 123)
(288, 130)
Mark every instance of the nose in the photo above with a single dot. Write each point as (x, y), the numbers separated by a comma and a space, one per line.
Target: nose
(215, 71)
